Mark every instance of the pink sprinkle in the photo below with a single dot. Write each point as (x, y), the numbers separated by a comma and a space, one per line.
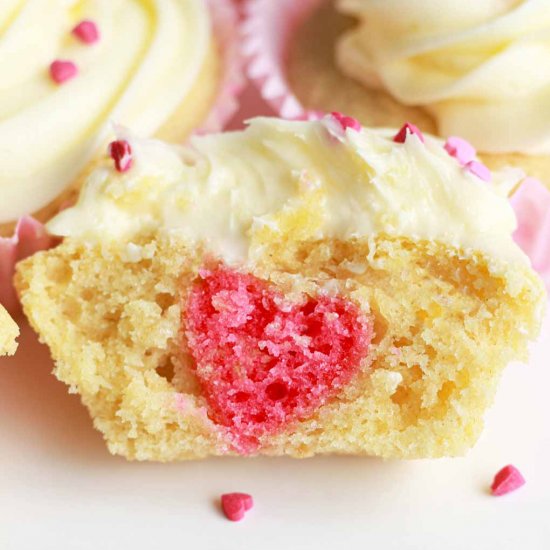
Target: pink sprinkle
(86, 31)
(507, 480)
(121, 152)
(460, 149)
(61, 71)
(346, 121)
(405, 130)
(480, 170)
(234, 505)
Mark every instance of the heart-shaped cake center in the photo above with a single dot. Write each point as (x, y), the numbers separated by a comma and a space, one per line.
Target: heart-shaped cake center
(263, 361)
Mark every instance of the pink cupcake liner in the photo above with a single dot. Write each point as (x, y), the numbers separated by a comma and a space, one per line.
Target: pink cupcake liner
(225, 22)
(267, 28)
(30, 235)
(532, 206)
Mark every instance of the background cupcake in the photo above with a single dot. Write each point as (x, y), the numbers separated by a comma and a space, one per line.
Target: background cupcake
(71, 69)
(473, 70)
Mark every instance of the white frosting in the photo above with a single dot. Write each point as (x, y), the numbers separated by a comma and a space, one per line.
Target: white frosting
(142, 68)
(480, 67)
(307, 180)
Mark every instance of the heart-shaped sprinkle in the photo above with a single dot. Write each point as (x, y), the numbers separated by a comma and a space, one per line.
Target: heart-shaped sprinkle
(121, 152)
(479, 169)
(61, 71)
(346, 121)
(234, 505)
(460, 149)
(86, 31)
(506, 480)
(406, 130)
(262, 361)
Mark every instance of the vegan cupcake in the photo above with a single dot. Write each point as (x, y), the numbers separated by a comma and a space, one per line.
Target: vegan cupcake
(292, 289)
(474, 70)
(71, 69)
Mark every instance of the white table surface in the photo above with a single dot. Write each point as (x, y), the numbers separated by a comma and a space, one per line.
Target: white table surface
(60, 489)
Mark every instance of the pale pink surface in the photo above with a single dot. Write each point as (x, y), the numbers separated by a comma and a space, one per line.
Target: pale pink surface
(532, 206)
(263, 362)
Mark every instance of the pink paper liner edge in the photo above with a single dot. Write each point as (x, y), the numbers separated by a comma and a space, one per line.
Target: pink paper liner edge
(29, 237)
(531, 203)
(225, 22)
(266, 30)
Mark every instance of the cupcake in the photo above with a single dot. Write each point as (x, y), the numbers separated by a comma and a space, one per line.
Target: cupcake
(292, 289)
(9, 331)
(474, 70)
(74, 68)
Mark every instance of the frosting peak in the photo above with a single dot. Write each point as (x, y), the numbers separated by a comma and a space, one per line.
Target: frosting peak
(306, 180)
(480, 68)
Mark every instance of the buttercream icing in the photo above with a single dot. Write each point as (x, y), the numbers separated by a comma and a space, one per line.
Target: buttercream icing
(141, 68)
(480, 68)
(308, 180)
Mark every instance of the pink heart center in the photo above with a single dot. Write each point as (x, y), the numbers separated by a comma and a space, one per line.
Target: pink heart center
(262, 361)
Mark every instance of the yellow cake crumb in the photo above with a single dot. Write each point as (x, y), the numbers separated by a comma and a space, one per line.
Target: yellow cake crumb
(446, 324)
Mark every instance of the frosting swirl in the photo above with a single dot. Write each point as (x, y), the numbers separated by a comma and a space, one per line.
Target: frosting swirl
(480, 68)
(234, 192)
(140, 71)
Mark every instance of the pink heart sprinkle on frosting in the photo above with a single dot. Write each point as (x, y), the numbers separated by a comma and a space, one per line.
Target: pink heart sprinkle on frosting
(86, 31)
(62, 70)
(460, 149)
(406, 130)
(263, 362)
(506, 480)
(234, 505)
(121, 152)
(479, 169)
(346, 121)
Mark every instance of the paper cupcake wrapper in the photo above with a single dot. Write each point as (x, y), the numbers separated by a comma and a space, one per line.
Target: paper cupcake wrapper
(29, 237)
(532, 206)
(225, 22)
(267, 28)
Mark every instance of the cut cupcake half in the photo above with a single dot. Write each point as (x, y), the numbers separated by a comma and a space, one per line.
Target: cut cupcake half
(293, 289)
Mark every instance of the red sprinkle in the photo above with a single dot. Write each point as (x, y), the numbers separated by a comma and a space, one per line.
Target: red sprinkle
(121, 152)
(460, 149)
(507, 480)
(405, 130)
(61, 71)
(480, 170)
(234, 505)
(86, 31)
(346, 121)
